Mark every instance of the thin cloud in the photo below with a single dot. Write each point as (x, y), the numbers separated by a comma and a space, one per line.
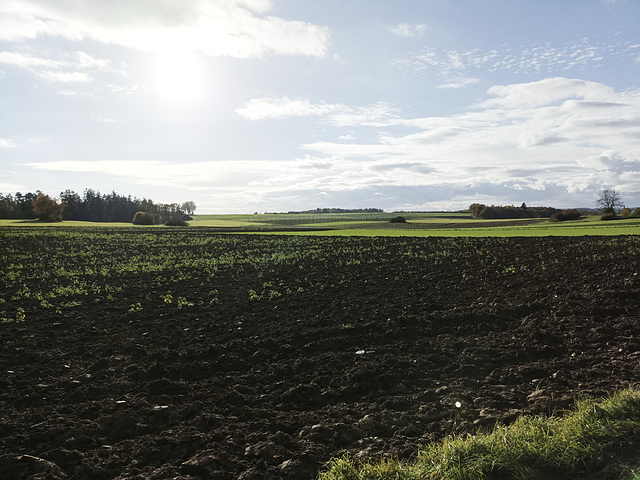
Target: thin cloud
(11, 187)
(530, 59)
(28, 61)
(273, 108)
(347, 138)
(56, 66)
(236, 28)
(407, 30)
(65, 77)
(459, 83)
(378, 114)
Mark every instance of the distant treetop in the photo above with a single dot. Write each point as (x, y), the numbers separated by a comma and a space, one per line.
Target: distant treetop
(478, 210)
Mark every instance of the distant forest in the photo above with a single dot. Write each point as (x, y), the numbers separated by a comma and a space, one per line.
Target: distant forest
(92, 206)
(478, 210)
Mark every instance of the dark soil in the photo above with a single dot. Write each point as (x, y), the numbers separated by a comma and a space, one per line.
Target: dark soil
(367, 357)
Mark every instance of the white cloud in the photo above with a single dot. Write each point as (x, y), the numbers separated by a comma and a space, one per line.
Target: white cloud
(532, 136)
(347, 138)
(11, 187)
(555, 133)
(265, 108)
(65, 77)
(236, 28)
(407, 30)
(57, 67)
(28, 61)
(6, 143)
(74, 93)
(129, 90)
(556, 141)
(378, 114)
(547, 92)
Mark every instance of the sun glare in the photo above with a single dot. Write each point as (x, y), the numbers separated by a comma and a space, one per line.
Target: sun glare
(178, 76)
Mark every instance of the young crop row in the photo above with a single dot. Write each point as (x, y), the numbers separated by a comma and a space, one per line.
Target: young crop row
(62, 269)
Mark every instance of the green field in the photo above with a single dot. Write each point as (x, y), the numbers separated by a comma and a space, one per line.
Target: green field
(378, 224)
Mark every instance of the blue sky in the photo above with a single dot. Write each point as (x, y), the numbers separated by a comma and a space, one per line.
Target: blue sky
(277, 105)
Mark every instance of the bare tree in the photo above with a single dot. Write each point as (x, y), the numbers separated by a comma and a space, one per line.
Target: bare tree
(609, 200)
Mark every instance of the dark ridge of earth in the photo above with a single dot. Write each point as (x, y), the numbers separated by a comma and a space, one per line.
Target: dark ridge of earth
(371, 364)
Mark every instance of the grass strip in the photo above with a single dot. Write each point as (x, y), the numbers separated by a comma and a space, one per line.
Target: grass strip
(595, 440)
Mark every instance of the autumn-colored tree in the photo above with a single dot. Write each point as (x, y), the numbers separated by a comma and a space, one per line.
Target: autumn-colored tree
(47, 209)
(146, 218)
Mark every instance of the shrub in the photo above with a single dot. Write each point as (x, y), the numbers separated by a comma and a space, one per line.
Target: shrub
(399, 219)
(564, 215)
(146, 218)
(608, 216)
(176, 222)
(608, 211)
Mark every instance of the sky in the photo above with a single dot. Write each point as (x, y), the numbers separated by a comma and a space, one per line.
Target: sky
(246, 106)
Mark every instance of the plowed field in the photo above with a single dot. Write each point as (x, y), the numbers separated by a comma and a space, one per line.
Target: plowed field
(183, 354)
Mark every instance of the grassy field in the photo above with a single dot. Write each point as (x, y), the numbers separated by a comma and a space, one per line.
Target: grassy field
(378, 224)
(489, 231)
(423, 225)
(66, 223)
(596, 440)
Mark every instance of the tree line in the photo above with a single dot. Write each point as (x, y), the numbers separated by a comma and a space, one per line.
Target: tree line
(478, 210)
(91, 206)
(608, 201)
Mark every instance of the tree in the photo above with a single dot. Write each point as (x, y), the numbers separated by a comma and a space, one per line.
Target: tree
(189, 208)
(47, 209)
(476, 210)
(72, 203)
(7, 206)
(609, 200)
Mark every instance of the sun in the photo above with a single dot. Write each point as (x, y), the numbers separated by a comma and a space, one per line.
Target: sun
(178, 76)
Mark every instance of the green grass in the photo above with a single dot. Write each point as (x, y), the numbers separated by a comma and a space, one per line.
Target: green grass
(526, 231)
(226, 220)
(596, 440)
(377, 224)
(419, 225)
